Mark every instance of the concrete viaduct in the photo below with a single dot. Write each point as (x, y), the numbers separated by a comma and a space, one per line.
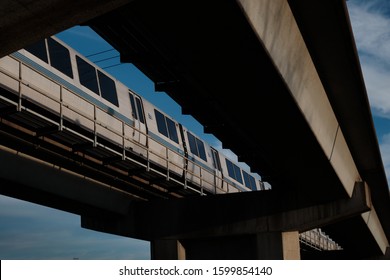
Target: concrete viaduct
(277, 81)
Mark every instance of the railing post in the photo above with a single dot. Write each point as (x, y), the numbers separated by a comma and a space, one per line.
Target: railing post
(61, 109)
(167, 158)
(201, 180)
(123, 141)
(94, 127)
(185, 177)
(147, 159)
(215, 181)
(20, 87)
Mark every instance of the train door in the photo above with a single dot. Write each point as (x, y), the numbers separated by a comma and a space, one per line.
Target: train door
(140, 129)
(218, 170)
(185, 149)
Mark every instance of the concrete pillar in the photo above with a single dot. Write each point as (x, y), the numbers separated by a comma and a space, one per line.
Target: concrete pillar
(278, 246)
(269, 246)
(261, 246)
(169, 249)
(291, 249)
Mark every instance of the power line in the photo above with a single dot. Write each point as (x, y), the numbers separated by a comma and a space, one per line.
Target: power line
(104, 59)
(114, 65)
(109, 50)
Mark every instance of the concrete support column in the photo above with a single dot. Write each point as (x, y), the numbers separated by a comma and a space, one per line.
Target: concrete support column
(278, 246)
(262, 246)
(291, 249)
(269, 246)
(169, 249)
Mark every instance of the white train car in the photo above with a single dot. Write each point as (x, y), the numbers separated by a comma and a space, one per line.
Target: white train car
(201, 167)
(89, 100)
(164, 141)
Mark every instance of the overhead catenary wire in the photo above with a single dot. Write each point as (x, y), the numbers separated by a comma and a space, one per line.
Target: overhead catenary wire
(101, 52)
(105, 59)
(114, 65)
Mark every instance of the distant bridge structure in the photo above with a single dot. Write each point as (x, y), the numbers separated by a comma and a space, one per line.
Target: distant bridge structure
(278, 82)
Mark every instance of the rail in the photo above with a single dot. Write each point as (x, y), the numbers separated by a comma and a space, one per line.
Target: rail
(318, 240)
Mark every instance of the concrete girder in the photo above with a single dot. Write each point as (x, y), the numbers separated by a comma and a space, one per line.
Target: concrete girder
(28, 178)
(252, 225)
(293, 60)
(339, 157)
(236, 214)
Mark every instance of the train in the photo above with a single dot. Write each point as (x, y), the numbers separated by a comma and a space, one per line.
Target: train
(88, 99)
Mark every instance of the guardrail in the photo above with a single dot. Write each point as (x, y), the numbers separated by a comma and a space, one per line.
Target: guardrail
(318, 240)
(122, 145)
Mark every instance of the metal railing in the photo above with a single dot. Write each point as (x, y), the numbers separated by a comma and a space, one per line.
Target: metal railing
(318, 240)
(122, 148)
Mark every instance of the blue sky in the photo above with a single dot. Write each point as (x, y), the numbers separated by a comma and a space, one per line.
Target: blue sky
(29, 231)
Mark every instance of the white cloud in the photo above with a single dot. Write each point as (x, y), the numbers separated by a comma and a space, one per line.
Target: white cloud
(371, 28)
(378, 87)
(370, 21)
(372, 35)
(385, 151)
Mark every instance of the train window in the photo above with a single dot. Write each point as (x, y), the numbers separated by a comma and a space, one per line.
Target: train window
(237, 170)
(136, 107)
(161, 125)
(39, 50)
(60, 57)
(166, 126)
(202, 151)
(196, 146)
(172, 130)
(217, 163)
(141, 112)
(234, 171)
(230, 168)
(249, 181)
(192, 142)
(87, 74)
(132, 103)
(107, 88)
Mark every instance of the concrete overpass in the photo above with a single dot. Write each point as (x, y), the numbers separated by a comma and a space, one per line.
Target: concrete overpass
(278, 82)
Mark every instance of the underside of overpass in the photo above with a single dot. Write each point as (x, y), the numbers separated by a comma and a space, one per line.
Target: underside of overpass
(207, 56)
(211, 58)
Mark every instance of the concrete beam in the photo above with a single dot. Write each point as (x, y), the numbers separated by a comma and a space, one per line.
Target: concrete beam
(30, 179)
(374, 225)
(23, 22)
(293, 60)
(226, 215)
(167, 249)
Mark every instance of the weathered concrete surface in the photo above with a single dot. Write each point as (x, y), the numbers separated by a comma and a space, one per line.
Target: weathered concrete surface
(291, 248)
(292, 58)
